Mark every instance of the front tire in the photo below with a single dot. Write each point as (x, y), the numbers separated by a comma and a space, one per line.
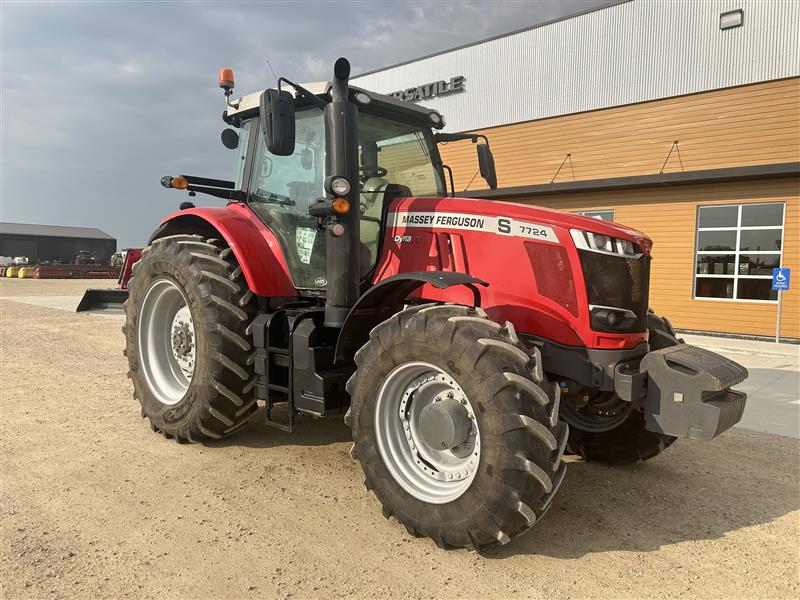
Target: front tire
(188, 352)
(505, 466)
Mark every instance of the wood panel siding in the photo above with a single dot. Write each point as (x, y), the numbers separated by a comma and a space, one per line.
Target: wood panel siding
(668, 215)
(746, 125)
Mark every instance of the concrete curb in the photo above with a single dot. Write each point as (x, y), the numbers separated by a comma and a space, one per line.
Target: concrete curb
(743, 346)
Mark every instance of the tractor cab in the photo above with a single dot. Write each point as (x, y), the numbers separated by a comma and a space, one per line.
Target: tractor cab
(284, 146)
(397, 157)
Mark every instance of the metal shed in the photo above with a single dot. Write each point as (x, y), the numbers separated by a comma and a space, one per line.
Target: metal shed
(54, 243)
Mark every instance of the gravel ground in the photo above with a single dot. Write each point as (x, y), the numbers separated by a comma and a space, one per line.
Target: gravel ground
(96, 505)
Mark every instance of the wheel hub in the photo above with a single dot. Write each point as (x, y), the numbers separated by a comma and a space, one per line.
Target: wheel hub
(445, 423)
(183, 340)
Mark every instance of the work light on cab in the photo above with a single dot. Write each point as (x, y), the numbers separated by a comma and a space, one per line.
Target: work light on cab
(362, 98)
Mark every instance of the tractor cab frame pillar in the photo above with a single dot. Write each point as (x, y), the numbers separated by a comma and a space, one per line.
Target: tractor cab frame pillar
(343, 251)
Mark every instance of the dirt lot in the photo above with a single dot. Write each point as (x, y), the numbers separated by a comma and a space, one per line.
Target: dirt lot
(95, 504)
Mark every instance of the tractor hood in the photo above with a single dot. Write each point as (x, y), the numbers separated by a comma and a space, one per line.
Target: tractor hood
(572, 279)
(499, 217)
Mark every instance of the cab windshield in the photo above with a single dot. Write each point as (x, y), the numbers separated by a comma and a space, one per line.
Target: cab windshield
(283, 187)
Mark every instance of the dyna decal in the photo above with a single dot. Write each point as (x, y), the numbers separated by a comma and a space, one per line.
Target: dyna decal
(488, 224)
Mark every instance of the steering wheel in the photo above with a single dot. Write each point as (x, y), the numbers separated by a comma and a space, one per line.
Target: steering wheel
(373, 172)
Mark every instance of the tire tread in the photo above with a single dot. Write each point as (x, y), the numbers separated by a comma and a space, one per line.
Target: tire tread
(223, 400)
(529, 470)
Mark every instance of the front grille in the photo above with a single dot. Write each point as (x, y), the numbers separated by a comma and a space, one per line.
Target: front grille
(552, 274)
(617, 282)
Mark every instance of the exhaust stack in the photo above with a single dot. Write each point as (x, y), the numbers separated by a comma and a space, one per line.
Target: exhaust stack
(343, 250)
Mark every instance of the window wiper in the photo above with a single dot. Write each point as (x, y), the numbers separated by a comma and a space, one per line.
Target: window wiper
(303, 92)
(421, 145)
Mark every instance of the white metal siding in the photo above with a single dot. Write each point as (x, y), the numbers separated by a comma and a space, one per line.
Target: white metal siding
(633, 52)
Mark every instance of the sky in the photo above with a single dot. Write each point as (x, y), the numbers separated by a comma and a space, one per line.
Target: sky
(99, 100)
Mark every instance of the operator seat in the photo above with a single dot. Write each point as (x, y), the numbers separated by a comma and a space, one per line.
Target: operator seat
(376, 194)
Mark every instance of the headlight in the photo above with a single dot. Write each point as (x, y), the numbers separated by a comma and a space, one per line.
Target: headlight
(598, 242)
(626, 247)
(340, 186)
(601, 242)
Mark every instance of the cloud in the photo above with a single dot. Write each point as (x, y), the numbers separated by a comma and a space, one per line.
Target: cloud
(315, 67)
(101, 99)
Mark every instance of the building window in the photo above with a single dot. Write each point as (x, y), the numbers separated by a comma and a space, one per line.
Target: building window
(605, 215)
(736, 249)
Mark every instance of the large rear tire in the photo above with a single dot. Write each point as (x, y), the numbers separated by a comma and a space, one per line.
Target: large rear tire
(494, 479)
(189, 354)
(630, 441)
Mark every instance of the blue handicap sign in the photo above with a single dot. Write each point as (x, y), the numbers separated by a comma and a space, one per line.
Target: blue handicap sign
(780, 279)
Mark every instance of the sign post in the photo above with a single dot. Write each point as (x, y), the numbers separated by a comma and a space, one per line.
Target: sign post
(780, 283)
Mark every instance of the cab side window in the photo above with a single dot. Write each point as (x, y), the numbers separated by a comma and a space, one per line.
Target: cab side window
(241, 154)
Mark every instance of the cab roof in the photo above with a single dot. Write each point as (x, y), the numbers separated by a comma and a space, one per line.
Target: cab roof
(248, 104)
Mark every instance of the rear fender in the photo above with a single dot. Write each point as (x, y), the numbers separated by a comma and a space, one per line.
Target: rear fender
(386, 298)
(255, 247)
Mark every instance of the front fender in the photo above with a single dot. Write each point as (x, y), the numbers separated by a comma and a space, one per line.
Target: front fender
(386, 298)
(255, 247)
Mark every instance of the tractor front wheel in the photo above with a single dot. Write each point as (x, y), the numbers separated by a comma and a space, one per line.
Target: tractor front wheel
(186, 342)
(455, 427)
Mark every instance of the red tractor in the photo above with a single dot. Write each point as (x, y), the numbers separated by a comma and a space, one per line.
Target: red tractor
(471, 343)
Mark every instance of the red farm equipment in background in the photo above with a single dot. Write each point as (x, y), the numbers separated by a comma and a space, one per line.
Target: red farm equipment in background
(97, 299)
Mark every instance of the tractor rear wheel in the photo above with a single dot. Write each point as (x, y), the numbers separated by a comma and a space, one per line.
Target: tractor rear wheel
(609, 429)
(455, 427)
(188, 351)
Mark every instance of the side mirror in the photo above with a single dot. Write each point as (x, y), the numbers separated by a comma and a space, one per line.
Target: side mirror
(486, 165)
(230, 139)
(277, 121)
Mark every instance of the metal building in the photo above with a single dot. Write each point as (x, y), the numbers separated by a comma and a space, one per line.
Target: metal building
(54, 243)
(680, 119)
(625, 53)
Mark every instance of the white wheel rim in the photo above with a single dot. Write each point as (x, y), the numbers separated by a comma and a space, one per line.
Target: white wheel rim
(167, 342)
(433, 475)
